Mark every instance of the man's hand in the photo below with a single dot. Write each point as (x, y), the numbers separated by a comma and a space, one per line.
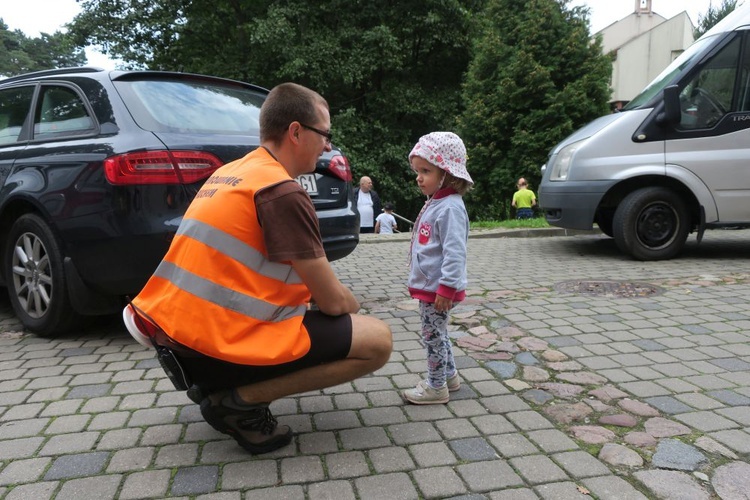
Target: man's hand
(330, 295)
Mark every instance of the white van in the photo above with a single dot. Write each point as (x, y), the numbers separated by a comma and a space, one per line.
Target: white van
(675, 160)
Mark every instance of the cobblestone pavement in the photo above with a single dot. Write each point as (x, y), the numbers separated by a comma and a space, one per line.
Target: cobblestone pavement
(584, 375)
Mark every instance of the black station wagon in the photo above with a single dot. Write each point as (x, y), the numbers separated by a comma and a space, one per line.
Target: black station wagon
(97, 168)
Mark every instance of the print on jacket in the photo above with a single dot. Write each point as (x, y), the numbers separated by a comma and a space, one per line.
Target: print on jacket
(425, 229)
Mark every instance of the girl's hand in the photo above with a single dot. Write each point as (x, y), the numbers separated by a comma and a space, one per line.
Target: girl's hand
(443, 304)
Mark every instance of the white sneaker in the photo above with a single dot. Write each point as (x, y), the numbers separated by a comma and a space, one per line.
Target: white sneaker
(454, 383)
(423, 394)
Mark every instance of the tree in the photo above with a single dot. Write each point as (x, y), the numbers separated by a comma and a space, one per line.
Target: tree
(534, 78)
(391, 70)
(713, 16)
(21, 54)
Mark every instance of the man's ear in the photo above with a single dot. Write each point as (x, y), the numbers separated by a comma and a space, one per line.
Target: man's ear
(293, 132)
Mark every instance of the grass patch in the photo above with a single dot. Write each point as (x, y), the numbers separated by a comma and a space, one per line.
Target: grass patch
(510, 223)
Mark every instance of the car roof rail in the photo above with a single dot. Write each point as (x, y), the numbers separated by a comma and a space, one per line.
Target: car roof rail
(51, 72)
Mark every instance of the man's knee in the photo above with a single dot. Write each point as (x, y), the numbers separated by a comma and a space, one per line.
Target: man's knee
(371, 339)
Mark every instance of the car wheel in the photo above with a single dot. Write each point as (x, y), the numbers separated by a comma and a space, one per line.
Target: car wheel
(651, 224)
(36, 279)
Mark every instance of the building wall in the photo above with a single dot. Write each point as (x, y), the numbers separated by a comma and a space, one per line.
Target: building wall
(642, 58)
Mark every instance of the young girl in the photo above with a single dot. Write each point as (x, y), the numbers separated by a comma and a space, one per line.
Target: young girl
(437, 257)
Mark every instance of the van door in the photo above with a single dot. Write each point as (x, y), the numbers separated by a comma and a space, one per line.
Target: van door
(712, 139)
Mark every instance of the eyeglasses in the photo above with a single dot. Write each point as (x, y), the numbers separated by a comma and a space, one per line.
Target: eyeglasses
(327, 135)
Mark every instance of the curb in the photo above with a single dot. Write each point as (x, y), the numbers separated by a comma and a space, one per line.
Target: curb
(489, 233)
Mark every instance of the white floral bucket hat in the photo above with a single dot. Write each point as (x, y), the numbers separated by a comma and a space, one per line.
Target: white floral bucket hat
(445, 150)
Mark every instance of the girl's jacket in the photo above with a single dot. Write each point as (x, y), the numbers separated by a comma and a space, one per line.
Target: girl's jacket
(438, 250)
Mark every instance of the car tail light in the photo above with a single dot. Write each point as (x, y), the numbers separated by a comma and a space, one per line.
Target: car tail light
(160, 167)
(339, 165)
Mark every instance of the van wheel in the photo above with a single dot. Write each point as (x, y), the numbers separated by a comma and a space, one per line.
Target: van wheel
(651, 224)
(36, 280)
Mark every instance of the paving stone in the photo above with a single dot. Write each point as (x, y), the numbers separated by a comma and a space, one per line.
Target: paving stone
(395, 486)
(70, 443)
(735, 440)
(661, 427)
(619, 455)
(740, 414)
(368, 437)
(592, 434)
(334, 420)
(640, 439)
(509, 494)
(473, 449)
(35, 491)
(489, 476)
(90, 488)
(146, 484)
(493, 424)
(558, 491)
(580, 464)
(249, 475)
(671, 485)
(301, 469)
(391, 459)
(613, 487)
(347, 465)
(638, 408)
(131, 459)
(434, 454)
(668, 404)
(732, 480)
(23, 471)
(674, 454)
(412, 433)
(504, 404)
(340, 490)
(706, 421)
(504, 369)
(729, 397)
(552, 440)
(438, 482)
(277, 493)
(565, 391)
(82, 464)
(11, 449)
(529, 420)
(568, 413)
(537, 396)
(538, 469)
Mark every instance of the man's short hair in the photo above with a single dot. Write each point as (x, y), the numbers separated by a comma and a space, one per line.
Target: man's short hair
(287, 103)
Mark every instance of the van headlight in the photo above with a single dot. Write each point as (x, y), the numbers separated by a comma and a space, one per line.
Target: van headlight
(561, 163)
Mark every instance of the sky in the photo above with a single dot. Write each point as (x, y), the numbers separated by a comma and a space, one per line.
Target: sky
(35, 16)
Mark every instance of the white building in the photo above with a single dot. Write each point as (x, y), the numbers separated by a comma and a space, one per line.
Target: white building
(642, 44)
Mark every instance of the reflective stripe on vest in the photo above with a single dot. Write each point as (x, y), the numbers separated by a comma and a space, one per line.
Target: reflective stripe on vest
(225, 297)
(238, 250)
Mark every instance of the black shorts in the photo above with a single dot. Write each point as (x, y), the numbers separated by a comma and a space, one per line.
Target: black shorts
(330, 340)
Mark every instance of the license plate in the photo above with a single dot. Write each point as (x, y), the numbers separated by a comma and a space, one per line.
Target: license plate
(308, 183)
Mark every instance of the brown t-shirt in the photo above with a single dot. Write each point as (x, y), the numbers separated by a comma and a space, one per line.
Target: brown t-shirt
(289, 222)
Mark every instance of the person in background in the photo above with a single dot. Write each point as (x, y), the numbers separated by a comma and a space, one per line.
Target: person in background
(232, 297)
(524, 200)
(385, 223)
(368, 205)
(437, 257)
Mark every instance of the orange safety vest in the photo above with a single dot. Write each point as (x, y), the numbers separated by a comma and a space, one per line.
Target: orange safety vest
(216, 291)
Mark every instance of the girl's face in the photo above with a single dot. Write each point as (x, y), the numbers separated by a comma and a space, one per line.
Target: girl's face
(429, 176)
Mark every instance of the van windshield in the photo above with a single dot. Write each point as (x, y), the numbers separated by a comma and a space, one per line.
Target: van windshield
(667, 76)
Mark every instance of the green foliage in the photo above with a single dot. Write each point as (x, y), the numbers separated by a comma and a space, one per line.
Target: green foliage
(391, 70)
(534, 78)
(20, 54)
(713, 16)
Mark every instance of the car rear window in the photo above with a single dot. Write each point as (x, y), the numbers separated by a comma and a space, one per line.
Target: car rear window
(192, 106)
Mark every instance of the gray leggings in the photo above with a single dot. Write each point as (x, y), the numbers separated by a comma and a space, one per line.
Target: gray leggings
(440, 362)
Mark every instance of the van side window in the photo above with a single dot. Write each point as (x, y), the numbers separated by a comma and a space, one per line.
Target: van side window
(14, 108)
(60, 112)
(708, 96)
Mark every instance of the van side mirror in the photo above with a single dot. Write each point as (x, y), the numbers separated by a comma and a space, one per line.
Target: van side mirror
(672, 113)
